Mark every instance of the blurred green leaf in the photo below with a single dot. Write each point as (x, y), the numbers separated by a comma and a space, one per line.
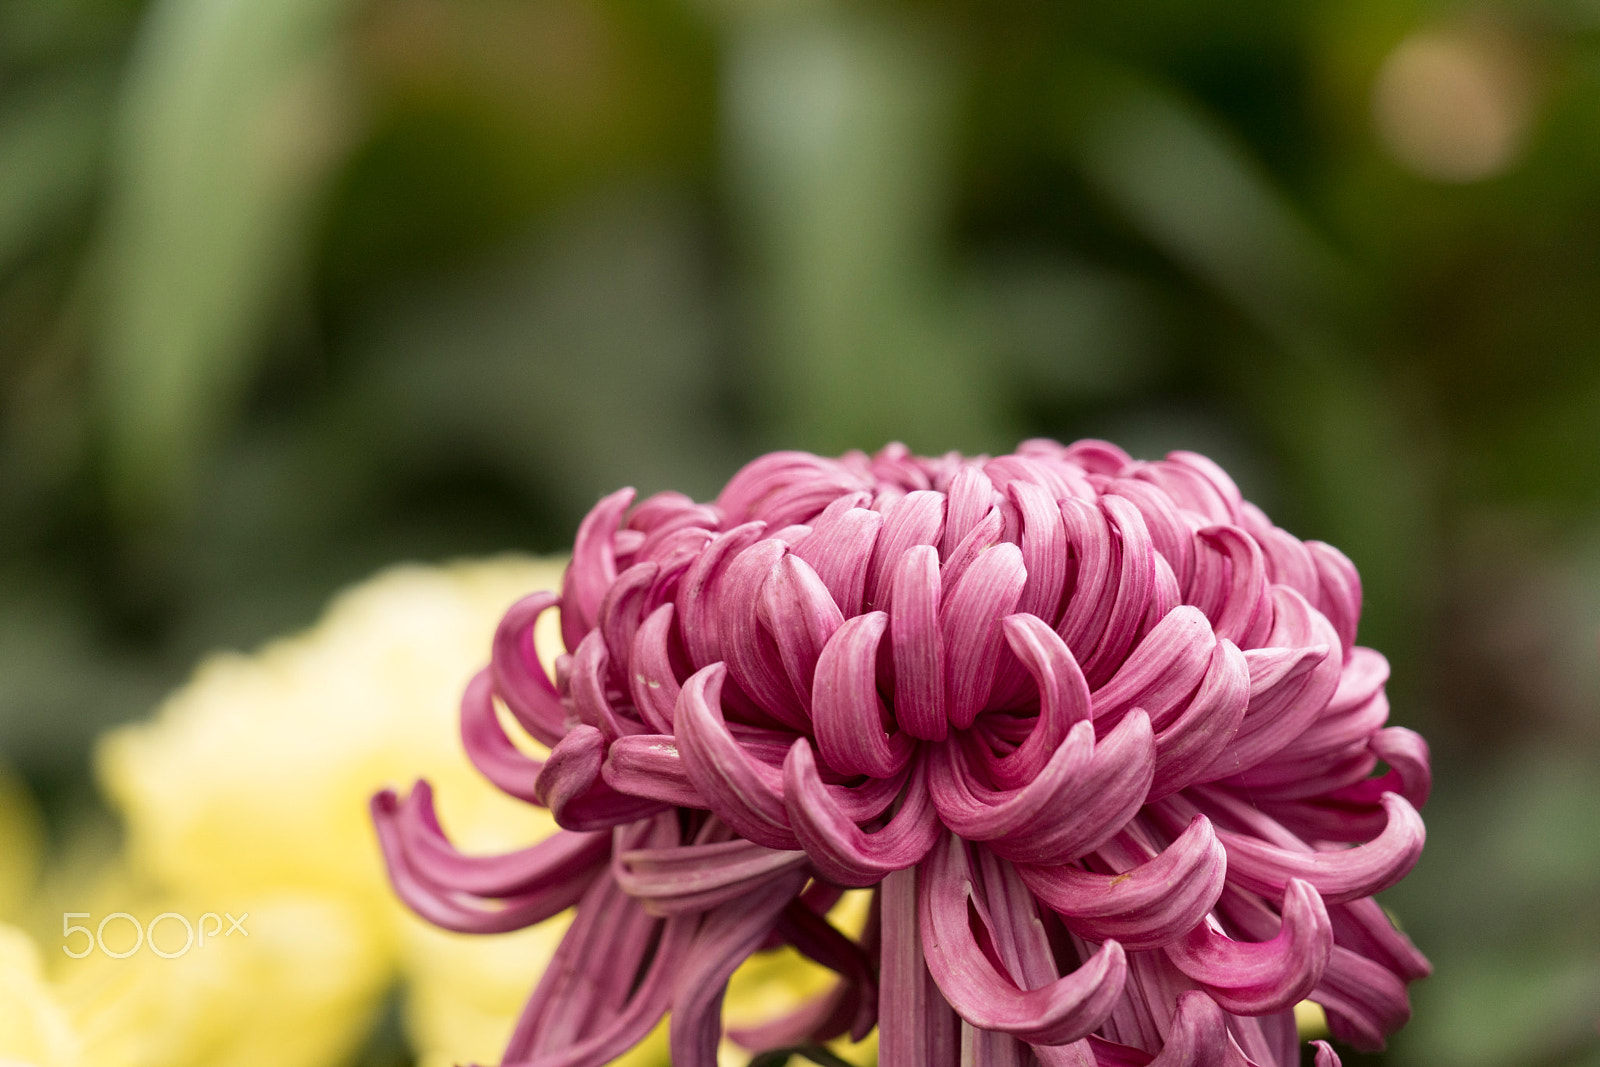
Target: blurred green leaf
(232, 113)
(50, 136)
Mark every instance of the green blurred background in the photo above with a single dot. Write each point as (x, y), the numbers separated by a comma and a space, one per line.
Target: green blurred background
(292, 289)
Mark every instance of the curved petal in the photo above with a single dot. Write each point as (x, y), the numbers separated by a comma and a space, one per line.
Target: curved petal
(1198, 1036)
(917, 644)
(488, 747)
(1406, 753)
(1063, 700)
(800, 614)
(434, 859)
(695, 878)
(847, 713)
(971, 496)
(1044, 550)
(1194, 741)
(518, 675)
(915, 519)
(1063, 1011)
(651, 679)
(1242, 610)
(1083, 796)
(841, 851)
(1365, 1001)
(970, 626)
(455, 911)
(571, 787)
(751, 652)
(1135, 579)
(745, 793)
(726, 937)
(840, 549)
(1261, 977)
(649, 765)
(1089, 535)
(1162, 670)
(699, 617)
(593, 567)
(1151, 904)
(1339, 876)
(623, 606)
(591, 665)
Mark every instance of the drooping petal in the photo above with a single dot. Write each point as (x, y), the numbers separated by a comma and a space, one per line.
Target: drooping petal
(727, 935)
(745, 793)
(1339, 876)
(434, 859)
(1063, 1011)
(840, 550)
(915, 519)
(842, 852)
(1063, 700)
(519, 677)
(1198, 1036)
(916, 1025)
(1044, 550)
(1198, 736)
(1256, 978)
(1364, 1000)
(1082, 797)
(699, 596)
(450, 909)
(1162, 671)
(695, 878)
(752, 656)
(591, 667)
(571, 786)
(1135, 579)
(1148, 905)
(490, 750)
(848, 715)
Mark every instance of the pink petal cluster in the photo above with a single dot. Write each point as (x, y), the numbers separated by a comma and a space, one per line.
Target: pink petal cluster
(1096, 730)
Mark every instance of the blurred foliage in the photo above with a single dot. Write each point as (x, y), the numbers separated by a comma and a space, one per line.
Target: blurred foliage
(291, 289)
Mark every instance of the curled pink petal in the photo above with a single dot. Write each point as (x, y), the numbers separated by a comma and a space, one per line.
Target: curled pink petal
(917, 644)
(695, 878)
(747, 794)
(970, 625)
(650, 766)
(593, 567)
(651, 679)
(1063, 699)
(848, 714)
(1338, 876)
(1257, 978)
(449, 908)
(799, 612)
(1198, 1036)
(1202, 731)
(1149, 905)
(842, 852)
(726, 937)
(570, 785)
(1063, 1011)
(519, 678)
(488, 747)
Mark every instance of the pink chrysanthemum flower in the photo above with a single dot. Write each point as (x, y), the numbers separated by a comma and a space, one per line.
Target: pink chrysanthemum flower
(1096, 730)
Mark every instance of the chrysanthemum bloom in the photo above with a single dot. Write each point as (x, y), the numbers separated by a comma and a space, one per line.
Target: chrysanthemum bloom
(1096, 730)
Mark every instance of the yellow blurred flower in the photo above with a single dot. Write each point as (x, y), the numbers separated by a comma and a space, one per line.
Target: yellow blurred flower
(247, 793)
(34, 1029)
